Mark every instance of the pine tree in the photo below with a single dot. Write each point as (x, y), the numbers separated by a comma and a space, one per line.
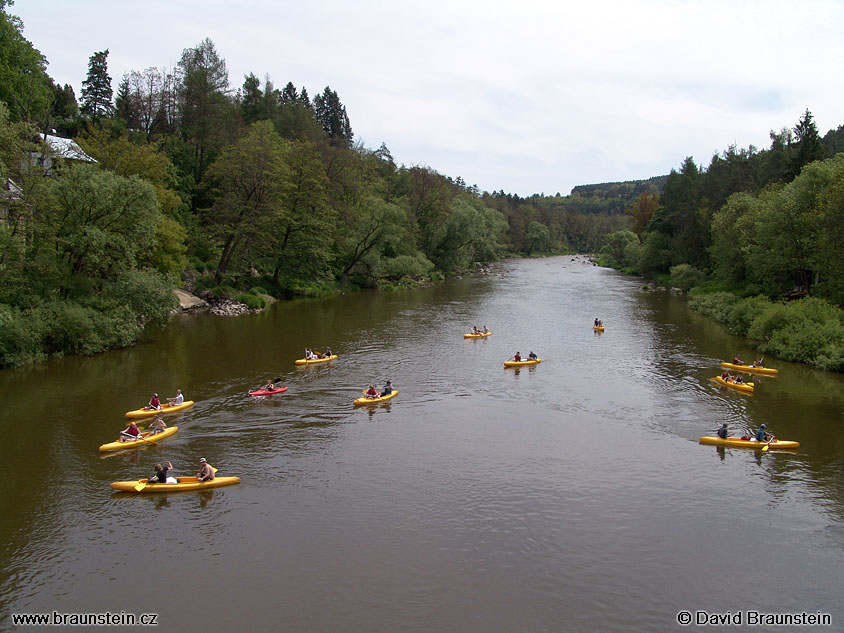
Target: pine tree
(96, 89)
(330, 113)
(289, 94)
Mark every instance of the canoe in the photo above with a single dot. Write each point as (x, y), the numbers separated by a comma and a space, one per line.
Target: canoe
(146, 440)
(185, 483)
(304, 361)
(481, 335)
(746, 387)
(751, 369)
(740, 443)
(366, 400)
(165, 408)
(267, 392)
(598, 328)
(521, 363)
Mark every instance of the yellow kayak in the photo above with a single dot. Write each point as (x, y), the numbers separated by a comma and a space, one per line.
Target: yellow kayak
(366, 400)
(165, 408)
(598, 328)
(751, 369)
(481, 335)
(521, 363)
(305, 361)
(146, 440)
(740, 443)
(185, 483)
(746, 387)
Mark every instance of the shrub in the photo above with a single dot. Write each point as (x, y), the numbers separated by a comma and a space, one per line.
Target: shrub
(745, 312)
(254, 303)
(716, 305)
(684, 276)
(21, 335)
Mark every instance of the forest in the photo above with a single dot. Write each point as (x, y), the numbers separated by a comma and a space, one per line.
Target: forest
(253, 192)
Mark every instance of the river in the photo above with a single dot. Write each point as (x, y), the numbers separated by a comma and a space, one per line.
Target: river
(571, 496)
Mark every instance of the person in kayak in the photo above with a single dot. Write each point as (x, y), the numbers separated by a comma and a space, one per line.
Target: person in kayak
(130, 433)
(486, 330)
(758, 362)
(737, 360)
(161, 475)
(532, 356)
(157, 425)
(761, 434)
(327, 352)
(176, 400)
(154, 403)
(738, 380)
(725, 376)
(270, 386)
(517, 357)
(206, 473)
(371, 392)
(722, 432)
(388, 389)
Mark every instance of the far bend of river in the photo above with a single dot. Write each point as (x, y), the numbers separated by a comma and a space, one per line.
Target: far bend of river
(570, 497)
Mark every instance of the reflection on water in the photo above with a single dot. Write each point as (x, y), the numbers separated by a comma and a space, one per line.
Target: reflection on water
(570, 495)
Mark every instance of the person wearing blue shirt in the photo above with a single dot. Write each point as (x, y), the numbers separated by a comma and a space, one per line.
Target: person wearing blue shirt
(761, 434)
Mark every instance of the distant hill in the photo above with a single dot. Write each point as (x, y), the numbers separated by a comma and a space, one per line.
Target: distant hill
(612, 197)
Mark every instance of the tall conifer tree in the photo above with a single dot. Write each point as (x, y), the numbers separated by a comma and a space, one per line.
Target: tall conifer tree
(96, 89)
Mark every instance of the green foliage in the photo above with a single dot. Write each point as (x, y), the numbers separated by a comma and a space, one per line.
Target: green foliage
(21, 335)
(809, 331)
(684, 276)
(745, 312)
(96, 89)
(717, 305)
(621, 249)
(25, 87)
(396, 268)
(252, 301)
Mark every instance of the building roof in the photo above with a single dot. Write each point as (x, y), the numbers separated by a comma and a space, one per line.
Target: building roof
(67, 148)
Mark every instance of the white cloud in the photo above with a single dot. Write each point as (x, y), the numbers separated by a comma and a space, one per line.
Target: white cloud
(527, 97)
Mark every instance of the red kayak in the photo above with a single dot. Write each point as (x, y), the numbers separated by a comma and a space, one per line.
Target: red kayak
(267, 392)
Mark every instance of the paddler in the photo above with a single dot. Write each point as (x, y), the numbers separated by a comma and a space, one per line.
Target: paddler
(157, 425)
(388, 389)
(722, 432)
(130, 433)
(206, 472)
(371, 392)
(154, 403)
(761, 434)
(161, 474)
(176, 400)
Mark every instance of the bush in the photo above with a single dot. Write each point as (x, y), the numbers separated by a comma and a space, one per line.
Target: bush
(685, 276)
(717, 305)
(745, 312)
(21, 335)
(254, 303)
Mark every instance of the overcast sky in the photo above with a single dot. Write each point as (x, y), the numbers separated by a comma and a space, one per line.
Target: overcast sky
(526, 96)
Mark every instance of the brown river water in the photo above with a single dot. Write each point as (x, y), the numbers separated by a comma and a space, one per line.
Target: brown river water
(572, 496)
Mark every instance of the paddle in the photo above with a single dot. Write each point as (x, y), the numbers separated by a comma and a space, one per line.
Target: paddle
(765, 448)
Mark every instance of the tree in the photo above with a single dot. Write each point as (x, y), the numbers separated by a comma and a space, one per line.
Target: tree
(203, 95)
(96, 89)
(306, 220)
(251, 99)
(808, 144)
(250, 178)
(331, 114)
(643, 210)
(24, 84)
(99, 226)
